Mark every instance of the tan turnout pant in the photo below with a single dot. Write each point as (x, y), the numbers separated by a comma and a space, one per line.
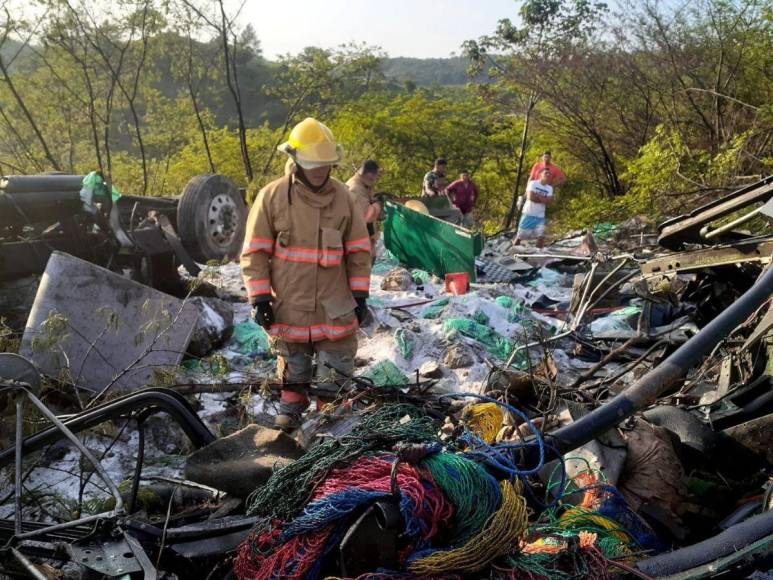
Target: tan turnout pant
(295, 362)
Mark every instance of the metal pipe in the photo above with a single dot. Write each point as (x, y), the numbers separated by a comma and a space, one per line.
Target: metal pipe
(18, 471)
(658, 380)
(588, 283)
(137, 467)
(82, 448)
(35, 183)
(556, 256)
(707, 233)
(65, 525)
(29, 566)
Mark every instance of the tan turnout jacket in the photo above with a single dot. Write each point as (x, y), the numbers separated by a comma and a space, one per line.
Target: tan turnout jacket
(363, 194)
(363, 197)
(308, 253)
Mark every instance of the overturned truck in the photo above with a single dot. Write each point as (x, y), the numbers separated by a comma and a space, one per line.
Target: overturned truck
(146, 237)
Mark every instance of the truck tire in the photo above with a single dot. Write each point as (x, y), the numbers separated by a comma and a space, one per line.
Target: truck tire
(211, 218)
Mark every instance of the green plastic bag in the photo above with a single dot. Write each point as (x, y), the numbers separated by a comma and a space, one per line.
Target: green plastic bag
(496, 344)
(627, 311)
(435, 309)
(421, 277)
(192, 364)
(386, 373)
(406, 342)
(481, 317)
(604, 231)
(94, 187)
(251, 338)
(515, 308)
(504, 301)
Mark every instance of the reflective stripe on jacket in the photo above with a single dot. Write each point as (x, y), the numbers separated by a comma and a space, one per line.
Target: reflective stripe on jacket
(308, 253)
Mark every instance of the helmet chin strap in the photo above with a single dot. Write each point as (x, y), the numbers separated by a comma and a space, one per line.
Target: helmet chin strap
(302, 176)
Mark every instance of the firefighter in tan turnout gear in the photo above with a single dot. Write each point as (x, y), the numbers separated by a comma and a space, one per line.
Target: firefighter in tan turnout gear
(362, 184)
(306, 265)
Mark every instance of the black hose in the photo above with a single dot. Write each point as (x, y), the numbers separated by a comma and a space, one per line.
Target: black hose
(721, 545)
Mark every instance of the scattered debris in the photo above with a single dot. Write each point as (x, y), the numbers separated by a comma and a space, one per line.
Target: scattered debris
(102, 331)
(215, 325)
(398, 279)
(431, 370)
(458, 356)
(236, 464)
(601, 406)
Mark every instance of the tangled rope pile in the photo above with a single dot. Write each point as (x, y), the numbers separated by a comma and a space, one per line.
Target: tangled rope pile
(462, 508)
(289, 488)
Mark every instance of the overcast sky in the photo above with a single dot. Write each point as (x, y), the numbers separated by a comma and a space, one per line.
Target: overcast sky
(416, 28)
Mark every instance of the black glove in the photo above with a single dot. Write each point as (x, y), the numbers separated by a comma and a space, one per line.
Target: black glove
(264, 314)
(361, 310)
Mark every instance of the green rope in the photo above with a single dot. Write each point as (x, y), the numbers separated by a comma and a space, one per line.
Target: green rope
(473, 492)
(539, 565)
(288, 489)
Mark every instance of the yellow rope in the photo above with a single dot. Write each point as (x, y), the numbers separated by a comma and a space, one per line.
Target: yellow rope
(577, 516)
(499, 535)
(485, 420)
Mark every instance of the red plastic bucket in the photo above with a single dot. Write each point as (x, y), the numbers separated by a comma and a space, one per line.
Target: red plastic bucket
(457, 283)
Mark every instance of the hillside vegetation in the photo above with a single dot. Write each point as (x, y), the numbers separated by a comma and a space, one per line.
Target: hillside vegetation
(648, 111)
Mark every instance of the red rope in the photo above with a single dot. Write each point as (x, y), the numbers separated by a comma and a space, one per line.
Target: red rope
(374, 474)
(262, 558)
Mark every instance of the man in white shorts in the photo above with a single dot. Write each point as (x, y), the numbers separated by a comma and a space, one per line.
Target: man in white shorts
(538, 195)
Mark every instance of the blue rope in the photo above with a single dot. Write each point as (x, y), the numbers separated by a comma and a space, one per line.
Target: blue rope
(491, 455)
(327, 510)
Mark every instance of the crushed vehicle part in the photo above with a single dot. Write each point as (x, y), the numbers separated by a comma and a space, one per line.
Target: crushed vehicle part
(150, 236)
(145, 402)
(429, 243)
(243, 460)
(755, 435)
(659, 379)
(102, 329)
(108, 545)
(750, 401)
(691, 431)
(109, 558)
(750, 251)
(675, 232)
(766, 210)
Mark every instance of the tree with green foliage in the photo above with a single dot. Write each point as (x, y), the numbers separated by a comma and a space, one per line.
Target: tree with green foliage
(523, 53)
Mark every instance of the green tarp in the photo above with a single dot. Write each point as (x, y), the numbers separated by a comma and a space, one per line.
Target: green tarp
(421, 241)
